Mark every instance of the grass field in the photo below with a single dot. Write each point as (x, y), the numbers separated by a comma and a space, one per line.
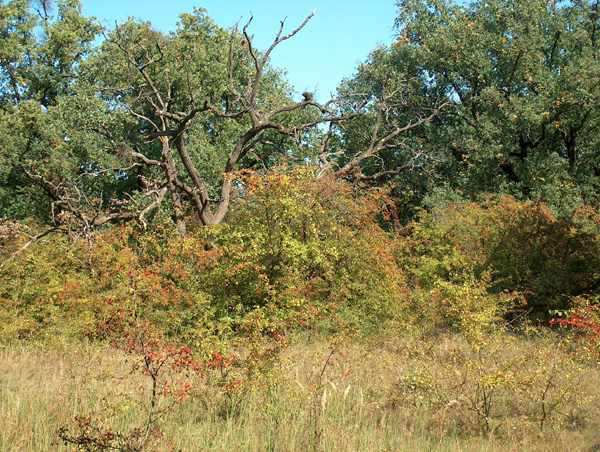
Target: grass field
(393, 393)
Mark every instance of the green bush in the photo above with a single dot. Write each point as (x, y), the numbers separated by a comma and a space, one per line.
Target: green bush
(519, 249)
(308, 249)
(295, 252)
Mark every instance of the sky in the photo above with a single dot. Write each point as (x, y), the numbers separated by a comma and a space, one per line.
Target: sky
(337, 39)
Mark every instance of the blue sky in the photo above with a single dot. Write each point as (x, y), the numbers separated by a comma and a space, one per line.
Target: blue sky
(341, 35)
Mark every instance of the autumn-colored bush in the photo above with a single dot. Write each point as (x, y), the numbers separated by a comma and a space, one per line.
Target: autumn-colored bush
(42, 288)
(306, 248)
(295, 251)
(170, 372)
(516, 250)
(300, 252)
(582, 324)
(78, 287)
(465, 307)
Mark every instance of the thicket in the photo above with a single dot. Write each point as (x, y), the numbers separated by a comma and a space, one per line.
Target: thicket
(295, 251)
(300, 252)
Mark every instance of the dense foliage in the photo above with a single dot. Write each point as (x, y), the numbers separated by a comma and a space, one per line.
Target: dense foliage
(522, 77)
(510, 250)
(295, 252)
(169, 197)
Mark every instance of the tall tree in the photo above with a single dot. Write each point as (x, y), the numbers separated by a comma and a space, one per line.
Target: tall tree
(205, 102)
(147, 120)
(389, 108)
(524, 75)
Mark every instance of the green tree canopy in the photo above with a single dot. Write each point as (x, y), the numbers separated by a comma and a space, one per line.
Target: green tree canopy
(522, 79)
(142, 122)
(525, 78)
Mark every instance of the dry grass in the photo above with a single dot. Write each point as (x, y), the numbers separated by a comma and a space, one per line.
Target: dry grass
(361, 402)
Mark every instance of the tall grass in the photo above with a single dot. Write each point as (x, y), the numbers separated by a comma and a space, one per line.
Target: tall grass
(343, 397)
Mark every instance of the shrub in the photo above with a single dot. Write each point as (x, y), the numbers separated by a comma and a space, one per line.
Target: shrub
(74, 287)
(466, 307)
(516, 248)
(170, 372)
(294, 252)
(296, 247)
